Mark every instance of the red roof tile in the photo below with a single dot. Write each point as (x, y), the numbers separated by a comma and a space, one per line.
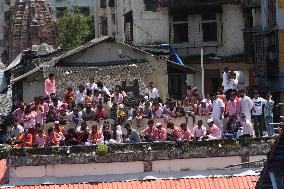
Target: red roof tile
(236, 182)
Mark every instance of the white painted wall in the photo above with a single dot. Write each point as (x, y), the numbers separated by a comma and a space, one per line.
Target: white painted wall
(230, 34)
(195, 164)
(145, 22)
(31, 90)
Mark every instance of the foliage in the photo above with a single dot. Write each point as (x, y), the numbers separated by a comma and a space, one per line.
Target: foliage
(102, 149)
(75, 28)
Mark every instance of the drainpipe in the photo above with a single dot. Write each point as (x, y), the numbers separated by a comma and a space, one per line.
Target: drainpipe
(202, 75)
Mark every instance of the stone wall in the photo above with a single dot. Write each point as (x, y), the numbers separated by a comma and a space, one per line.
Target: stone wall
(138, 152)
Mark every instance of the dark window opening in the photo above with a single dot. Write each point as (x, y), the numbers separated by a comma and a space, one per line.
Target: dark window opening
(85, 11)
(128, 27)
(179, 17)
(180, 33)
(61, 11)
(209, 31)
(113, 18)
(104, 29)
(150, 5)
(209, 16)
(103, 4)
(111, 3)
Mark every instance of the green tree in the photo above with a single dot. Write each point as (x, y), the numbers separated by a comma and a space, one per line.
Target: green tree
(75, 28)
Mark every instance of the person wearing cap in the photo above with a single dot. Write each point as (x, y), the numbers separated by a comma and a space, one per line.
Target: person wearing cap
(185, 133)
(148, 134)
(199, 131)
(132, 135)
(218, 109)
(95, 136)
(233, 105)
(213, 131)
(246, 129)
(175, 132)
(257, 117)
(246, 104)
(153, 92)
(161, 133)
(204, 108)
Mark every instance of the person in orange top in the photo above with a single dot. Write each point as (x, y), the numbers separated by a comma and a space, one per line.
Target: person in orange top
(53, 137)
(89, 97)
(95, 136)
(69, 95)
(24, 140)
(58, 128)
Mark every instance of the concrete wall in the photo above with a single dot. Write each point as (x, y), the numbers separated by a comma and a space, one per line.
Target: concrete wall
(31, 90)
(148, 26)
(230, 35)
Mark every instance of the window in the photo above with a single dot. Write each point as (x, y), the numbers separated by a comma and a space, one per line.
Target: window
(128, 27)
(111, 3)
(85, 11)
(60, 11)
(104, 29)
(103, 4)
(180, 27)
(209, 27)
(113, 19)
(150, 5)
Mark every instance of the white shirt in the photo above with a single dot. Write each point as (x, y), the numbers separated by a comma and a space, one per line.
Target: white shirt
(225, 82)
(217, 105)
(258, 104)
(159, 112)
(247, 128)
(233, 84)
(91, 86)
(246, 106)
(80, 97)
(154, 93)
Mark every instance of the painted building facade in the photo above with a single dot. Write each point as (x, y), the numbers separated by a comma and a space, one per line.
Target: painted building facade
(187, 26)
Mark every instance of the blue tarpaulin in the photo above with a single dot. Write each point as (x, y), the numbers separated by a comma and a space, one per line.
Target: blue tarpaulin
(176, 57)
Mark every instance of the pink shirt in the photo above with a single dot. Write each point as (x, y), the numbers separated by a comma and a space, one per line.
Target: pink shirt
(100, 137)
(30, 120)
(18, 115)
(185, 135)
(117, 98)
(215, 131)
(202, 111)
(151, 132)
(49, 87)
(233, 107)
(40, 141)
(198, 132)
(160, 135)
(176, 132)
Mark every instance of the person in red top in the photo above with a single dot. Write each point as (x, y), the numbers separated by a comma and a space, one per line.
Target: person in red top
(101, 113)
(95, 136)
(24, 140)
(185, 133)
(175, 134)
(69, 95)
(160, 133)
(149, 132)
(53, 137)
(50, 85)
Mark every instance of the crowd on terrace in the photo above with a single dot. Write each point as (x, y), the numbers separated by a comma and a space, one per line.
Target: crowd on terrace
(44, 121)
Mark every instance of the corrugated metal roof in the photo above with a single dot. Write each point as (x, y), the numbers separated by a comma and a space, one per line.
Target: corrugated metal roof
(15, 63)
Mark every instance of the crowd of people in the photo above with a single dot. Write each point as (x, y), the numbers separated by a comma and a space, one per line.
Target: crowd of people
(231, 114)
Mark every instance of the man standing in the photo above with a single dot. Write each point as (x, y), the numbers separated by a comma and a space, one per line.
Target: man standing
(49, 85)
(268, 114)
(246, 104)
(218, 111)
(257, 117)
(152, 92)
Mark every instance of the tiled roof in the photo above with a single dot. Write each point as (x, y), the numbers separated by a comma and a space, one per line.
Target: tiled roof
(238, 182)
(5, 104)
